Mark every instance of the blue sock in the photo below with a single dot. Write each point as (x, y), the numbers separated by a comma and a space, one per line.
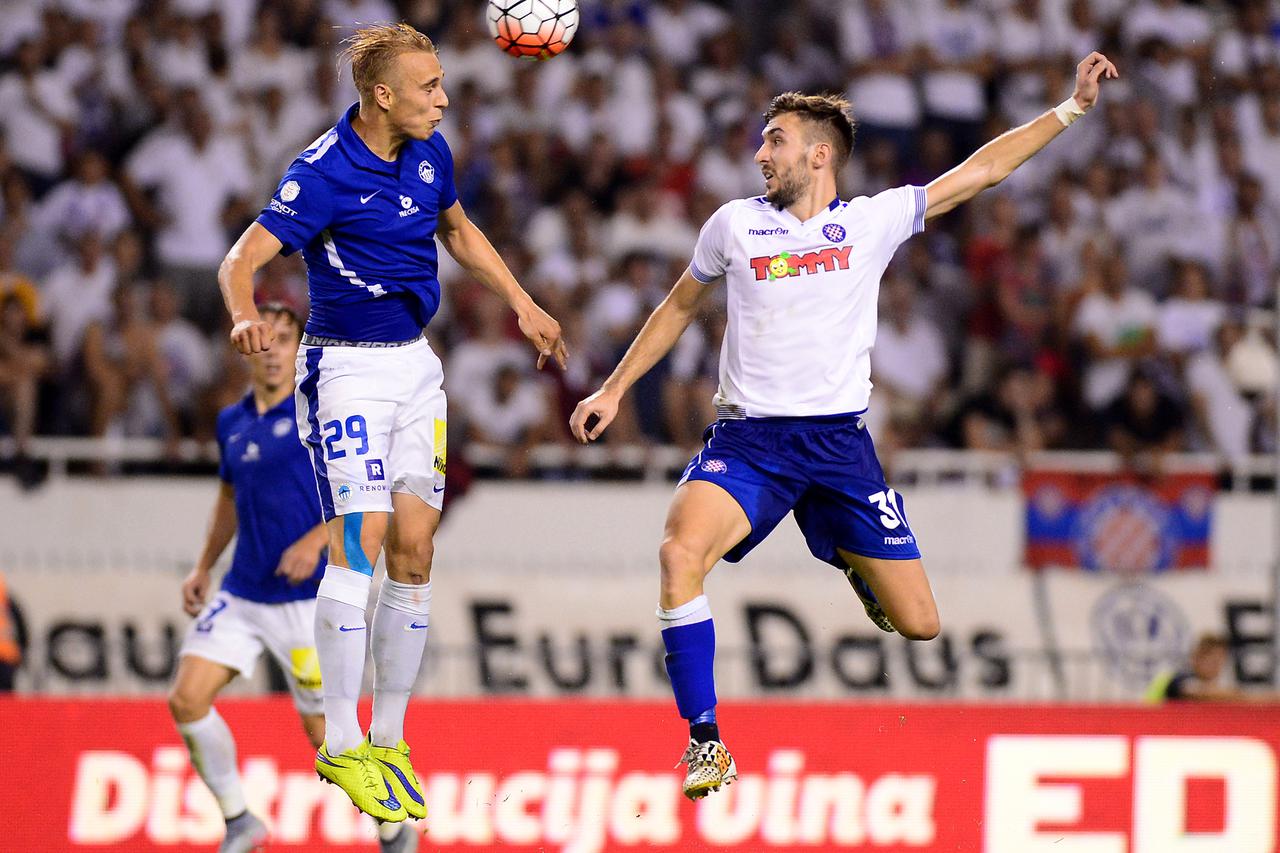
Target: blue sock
(690, 638)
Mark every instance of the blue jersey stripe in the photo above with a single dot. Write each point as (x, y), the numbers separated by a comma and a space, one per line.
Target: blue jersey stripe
(308, 390)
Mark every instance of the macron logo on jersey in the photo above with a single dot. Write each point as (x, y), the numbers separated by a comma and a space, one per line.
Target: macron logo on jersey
(773, 267)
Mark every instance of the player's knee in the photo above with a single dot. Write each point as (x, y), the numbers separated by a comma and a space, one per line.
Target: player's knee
(922, 625)
(186, 706)
(410, 561)
(677, 558)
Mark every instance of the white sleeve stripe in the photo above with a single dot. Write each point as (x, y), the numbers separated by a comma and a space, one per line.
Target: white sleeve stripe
(336, 262)
(325, 143)
(700, 275)
(922, 203)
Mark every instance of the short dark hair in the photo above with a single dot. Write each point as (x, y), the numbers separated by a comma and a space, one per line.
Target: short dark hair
(281, 309)
(832, 113)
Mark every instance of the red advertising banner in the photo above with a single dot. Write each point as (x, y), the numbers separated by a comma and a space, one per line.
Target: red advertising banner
(1123, 522)
(593, 776)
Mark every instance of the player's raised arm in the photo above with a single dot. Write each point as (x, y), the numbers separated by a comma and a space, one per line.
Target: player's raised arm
(470, 248)
(256, 246)
(661, 331)
(996, 160)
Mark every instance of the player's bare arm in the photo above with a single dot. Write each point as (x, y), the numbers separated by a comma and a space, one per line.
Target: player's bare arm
(298, 562)
(256, 246)
(222, 528)
(661, 331)
(470, 248)
(996, 160)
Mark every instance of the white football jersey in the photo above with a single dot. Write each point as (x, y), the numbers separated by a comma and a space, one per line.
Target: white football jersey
(802, 299)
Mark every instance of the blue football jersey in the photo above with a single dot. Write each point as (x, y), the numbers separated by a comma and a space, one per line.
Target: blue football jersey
(367, 229)
(266, 464)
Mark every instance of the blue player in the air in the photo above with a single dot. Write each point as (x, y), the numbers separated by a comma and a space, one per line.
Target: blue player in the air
(365, 203)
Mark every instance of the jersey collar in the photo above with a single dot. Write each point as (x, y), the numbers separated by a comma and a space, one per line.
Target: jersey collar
(358, 151)
(817, 218)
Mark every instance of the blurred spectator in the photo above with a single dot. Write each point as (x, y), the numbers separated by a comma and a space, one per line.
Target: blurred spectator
(268, 62)
(1020, 415)
(87, 202)
(127, 372)
(1253, 244)
(1143, 421)
(958, 39)
(1154, 221)
(24, 362)
(678, 27)
(510, 411)
(1198, 681)
(1117, 325)
(1188, 319)
(185, 353)
(475, 362)
(1222, 413)
(196, 176)
(76, 295)
(879, 42)
(37, 111)
(909, 364)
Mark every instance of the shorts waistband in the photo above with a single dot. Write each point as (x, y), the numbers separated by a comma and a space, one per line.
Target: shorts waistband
(807, 420)
(320, 341)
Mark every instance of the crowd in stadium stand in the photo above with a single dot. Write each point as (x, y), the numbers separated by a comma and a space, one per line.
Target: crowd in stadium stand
(1112, 293)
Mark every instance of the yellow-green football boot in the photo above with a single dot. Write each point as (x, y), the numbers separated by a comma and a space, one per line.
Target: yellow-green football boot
(393, 761)
(360, 776)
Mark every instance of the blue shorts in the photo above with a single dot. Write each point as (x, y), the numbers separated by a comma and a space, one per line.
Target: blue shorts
(824, 468)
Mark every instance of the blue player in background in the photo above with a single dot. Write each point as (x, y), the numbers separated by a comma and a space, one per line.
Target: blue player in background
(364, 203)
(268, 597)
(267, 601)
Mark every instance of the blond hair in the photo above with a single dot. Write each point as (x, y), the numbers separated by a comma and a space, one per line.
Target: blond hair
(372, 50)
(831, 113)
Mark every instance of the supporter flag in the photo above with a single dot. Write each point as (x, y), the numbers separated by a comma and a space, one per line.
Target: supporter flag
(1118, 522)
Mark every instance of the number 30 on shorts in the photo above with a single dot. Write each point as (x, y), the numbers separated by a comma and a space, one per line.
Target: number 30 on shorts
(887, 503)
(355, 428)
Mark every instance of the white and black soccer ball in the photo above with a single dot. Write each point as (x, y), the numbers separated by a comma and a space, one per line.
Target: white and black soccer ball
(532, 29)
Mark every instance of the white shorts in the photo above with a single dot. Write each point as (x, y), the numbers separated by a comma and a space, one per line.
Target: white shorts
(235, 632)
(374, 421)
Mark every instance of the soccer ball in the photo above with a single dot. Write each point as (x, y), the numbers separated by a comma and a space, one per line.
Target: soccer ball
(533, 29)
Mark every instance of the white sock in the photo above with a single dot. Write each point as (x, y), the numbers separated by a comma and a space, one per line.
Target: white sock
(213, 755)
(340, 645)
(388, 831)
(399, 638)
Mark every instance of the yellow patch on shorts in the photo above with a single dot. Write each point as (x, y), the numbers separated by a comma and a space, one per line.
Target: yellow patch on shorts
(441, 444)
(306, 667)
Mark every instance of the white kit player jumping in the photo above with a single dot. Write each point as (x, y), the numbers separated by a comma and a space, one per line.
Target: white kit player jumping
(364, 203)
(803, 274)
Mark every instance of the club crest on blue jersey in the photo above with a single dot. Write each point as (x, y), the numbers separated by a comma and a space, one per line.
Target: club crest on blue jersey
(427, 172)
(715, 466)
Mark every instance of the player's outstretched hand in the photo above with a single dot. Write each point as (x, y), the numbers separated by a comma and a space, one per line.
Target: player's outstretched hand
(251, 336)
(592, 415)
(298, 562)
(544, 333)
(194, 589)
(1089, 72)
